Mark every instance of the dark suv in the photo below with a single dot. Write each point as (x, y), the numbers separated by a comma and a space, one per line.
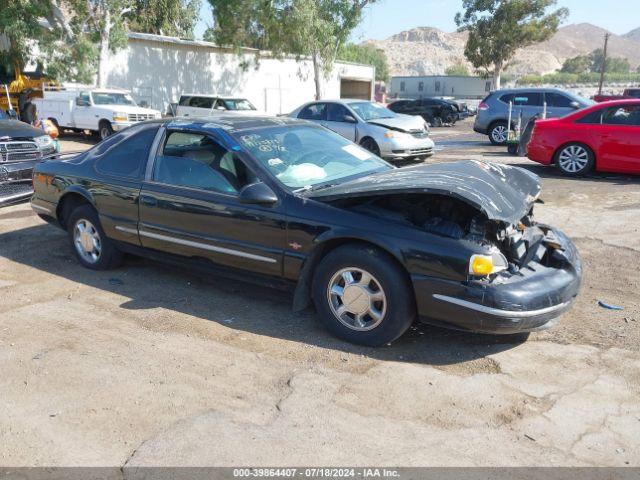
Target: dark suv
(436, 111)
(493, 111)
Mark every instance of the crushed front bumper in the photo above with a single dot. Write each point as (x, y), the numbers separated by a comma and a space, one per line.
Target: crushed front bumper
(529, 300)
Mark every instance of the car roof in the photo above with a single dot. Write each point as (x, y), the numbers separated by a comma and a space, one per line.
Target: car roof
(232, 123)
(209, 95)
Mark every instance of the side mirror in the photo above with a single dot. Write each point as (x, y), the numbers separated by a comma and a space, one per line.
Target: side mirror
(575, 105)
(258, 194)
(221, 108)
(349, 119)
(81, 103)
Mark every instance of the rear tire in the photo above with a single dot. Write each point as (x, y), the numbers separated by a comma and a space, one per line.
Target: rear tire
(498, 133)
(363, 296)
(92, 248)
(575, 159)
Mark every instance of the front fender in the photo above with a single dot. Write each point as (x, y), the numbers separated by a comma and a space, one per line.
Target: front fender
(323, 244)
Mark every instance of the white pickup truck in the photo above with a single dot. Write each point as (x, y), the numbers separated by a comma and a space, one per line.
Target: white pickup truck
(96, 109)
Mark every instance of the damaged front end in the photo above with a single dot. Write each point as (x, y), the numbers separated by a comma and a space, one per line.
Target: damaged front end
(513, 274)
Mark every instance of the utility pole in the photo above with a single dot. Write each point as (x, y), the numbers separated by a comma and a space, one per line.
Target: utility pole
(604, 63)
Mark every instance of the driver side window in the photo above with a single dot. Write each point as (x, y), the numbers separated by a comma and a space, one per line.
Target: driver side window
(195, 160)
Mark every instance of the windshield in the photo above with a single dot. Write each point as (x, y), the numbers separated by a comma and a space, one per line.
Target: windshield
(238, 104)
(308, 156)
(580, 99)
(111, 98)
(371, 111)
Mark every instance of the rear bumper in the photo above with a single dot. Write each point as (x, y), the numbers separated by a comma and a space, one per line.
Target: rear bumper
(531, 300)
(479, 128)
(539, 153)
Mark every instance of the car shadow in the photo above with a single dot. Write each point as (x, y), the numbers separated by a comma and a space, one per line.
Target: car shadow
(256, 309)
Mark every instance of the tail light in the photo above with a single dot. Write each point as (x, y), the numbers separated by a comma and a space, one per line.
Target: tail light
(483, 106)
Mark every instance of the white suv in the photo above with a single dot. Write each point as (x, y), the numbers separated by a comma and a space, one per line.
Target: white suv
(197, 105)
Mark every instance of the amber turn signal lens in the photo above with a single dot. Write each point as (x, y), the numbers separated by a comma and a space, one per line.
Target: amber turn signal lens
(481, 265)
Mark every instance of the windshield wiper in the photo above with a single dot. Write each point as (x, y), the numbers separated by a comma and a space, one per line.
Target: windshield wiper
(314, 188)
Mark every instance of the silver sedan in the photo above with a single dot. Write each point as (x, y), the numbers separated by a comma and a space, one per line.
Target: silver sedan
(389, 135)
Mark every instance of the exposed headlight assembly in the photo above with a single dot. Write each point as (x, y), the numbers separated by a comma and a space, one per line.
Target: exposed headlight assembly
(44, 141)
(485, 265)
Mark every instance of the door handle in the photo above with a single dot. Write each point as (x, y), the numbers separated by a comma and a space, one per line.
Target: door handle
(148, 200)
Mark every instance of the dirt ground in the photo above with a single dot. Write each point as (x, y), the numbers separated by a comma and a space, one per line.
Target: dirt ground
(149, 365)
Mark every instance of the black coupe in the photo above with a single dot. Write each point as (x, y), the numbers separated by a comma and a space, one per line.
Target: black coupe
(292, 203)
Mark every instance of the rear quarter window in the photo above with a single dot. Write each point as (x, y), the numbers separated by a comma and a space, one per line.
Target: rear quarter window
(127, 157)
(593, 118)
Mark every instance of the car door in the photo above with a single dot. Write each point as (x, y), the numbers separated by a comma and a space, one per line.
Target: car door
(183, 108)
(83, 116)
(341, 121)
(620, 139)
(189, 206)
(558, 105)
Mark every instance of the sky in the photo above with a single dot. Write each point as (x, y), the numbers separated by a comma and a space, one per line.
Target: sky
(387, 17)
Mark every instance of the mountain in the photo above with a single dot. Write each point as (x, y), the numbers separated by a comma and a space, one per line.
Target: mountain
(429, 51)
(633, 35)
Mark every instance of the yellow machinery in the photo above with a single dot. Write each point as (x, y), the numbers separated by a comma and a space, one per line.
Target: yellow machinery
(18, 94)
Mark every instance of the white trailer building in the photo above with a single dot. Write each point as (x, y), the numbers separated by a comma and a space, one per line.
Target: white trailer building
(440, 86)
(157, 69)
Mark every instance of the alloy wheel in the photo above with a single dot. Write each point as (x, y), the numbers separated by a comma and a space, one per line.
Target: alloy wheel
(573, 159)
(499, 134)
(104, 133)
(357, 299)
(86, 239)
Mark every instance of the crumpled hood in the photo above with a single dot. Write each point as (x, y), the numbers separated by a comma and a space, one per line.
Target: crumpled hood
(501, 192)
(400, 122)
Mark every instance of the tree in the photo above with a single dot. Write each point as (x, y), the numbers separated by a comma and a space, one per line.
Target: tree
(81, 33)
(313, 28)
(165, 17)
(369, 55)
(497, 28)
(459, 68)
(18, 21)
(613, 65)
(579, 64)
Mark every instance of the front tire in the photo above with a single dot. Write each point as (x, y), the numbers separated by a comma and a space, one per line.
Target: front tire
(363, 296)
(105, 130)
(370, 144)
(90, 245)
(575, 159)
(498, 133)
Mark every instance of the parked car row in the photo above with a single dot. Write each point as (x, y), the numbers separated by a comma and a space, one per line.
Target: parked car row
(576, 135)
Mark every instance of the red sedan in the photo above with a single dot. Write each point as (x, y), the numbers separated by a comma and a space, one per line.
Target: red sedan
(604, 137)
